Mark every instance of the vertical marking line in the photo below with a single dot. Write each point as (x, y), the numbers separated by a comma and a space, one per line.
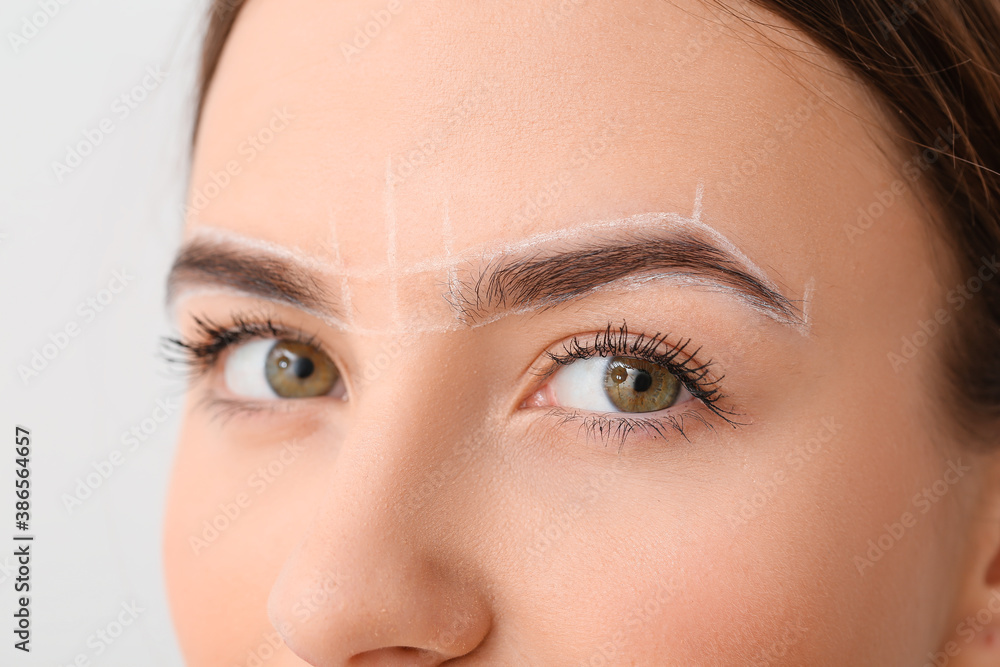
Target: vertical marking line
(448, 236)
(390, 224)
(338, 265)
(806, 302)
(698, 196)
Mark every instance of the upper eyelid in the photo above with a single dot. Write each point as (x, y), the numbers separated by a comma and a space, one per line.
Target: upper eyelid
(275, 329)
(201, 352)
(645, 345)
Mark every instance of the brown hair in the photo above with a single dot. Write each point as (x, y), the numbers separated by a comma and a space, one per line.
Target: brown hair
(935, 66)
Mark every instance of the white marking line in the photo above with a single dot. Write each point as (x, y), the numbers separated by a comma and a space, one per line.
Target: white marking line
(291, 253)
(807, 301)
(639, 221)
(491, 250)
(625, 284)
(698, 195)
(630, 283)
(390, 252)
(191, 292)
(338, 266)
(487, 251)
(448, 239)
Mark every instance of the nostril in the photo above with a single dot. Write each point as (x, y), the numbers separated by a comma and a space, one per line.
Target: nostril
(398, 656)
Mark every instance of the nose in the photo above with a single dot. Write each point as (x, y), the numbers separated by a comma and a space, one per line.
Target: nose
(383, 575)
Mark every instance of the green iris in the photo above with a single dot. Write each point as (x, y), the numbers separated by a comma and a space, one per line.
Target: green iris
(636, 385)
(297, 370)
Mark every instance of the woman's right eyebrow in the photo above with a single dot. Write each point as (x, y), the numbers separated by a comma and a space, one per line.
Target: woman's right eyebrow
(256, 271)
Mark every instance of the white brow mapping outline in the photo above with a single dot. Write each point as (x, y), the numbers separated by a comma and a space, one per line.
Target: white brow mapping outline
(340, 267)
(448, 240)
(807, 302)
(390, 242)
(450, 260)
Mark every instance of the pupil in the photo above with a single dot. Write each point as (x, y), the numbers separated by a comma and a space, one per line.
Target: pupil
(303, 367)
(643, 381)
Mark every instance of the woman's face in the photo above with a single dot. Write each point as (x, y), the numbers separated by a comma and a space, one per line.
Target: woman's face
(608, 338)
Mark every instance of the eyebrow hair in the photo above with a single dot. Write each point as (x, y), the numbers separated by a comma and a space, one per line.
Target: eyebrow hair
(515, 279)
(257, 272)
(536, 280)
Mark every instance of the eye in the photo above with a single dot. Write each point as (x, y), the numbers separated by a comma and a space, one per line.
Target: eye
(267, 368)
(617, 384)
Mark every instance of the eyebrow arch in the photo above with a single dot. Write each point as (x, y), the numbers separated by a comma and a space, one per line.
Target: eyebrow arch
(207, 262)
(519, 282)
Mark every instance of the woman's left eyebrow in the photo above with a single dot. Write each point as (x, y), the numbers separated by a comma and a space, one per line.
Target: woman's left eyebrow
(535, 279)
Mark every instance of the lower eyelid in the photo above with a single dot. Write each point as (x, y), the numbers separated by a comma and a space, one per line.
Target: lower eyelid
(623, 427)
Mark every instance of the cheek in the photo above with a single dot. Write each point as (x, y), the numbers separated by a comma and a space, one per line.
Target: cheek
(235, 509)
(761, 562)
(796, 581)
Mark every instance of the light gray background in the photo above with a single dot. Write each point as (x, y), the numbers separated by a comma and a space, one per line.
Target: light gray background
(60, 243)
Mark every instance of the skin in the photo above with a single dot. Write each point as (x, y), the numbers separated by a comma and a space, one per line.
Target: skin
(441, 512)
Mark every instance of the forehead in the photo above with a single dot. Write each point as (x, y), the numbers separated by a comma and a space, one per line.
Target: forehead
(396, 136)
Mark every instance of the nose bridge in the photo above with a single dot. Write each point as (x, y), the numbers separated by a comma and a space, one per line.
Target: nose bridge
(417, 428)
(399, 470)
(412, 438)
(385, 562)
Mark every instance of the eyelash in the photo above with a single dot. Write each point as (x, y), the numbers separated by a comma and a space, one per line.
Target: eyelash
(198, 357)
(614, 341)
